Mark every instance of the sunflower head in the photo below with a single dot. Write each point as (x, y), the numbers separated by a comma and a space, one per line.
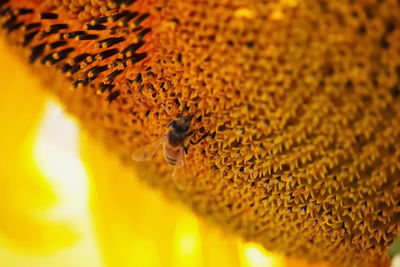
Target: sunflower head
(298, 100)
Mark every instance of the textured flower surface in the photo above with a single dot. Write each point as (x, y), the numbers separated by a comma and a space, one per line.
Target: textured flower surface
(299, 101)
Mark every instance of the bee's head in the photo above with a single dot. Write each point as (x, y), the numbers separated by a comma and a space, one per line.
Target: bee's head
(182, 123)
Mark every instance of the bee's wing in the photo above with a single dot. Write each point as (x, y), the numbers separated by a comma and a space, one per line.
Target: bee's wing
(146, 152)
(179, 175)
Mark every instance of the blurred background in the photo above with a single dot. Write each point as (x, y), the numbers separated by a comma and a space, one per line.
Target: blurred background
(66, 201)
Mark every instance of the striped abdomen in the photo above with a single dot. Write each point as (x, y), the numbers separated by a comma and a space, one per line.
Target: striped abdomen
(173, 155)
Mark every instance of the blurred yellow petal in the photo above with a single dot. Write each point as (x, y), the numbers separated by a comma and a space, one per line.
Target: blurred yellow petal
(37, 226)
(25, 194)
(187, 247)
(219, 248)
(254, 255)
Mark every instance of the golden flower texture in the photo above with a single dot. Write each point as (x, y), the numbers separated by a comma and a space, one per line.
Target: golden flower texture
(300, 101)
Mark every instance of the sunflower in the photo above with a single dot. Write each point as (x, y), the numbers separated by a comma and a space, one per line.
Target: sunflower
(294, 107)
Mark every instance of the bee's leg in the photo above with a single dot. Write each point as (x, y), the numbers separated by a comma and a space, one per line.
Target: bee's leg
(186, 148)
(189, 134)
(201, 138)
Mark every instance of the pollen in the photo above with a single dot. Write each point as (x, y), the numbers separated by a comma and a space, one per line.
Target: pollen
(244, 13)
(299, 102)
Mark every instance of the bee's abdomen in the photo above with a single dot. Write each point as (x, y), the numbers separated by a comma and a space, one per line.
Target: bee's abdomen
(172, 154)
(170, 160)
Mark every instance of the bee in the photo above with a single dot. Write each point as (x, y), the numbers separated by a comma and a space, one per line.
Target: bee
(173, 144)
